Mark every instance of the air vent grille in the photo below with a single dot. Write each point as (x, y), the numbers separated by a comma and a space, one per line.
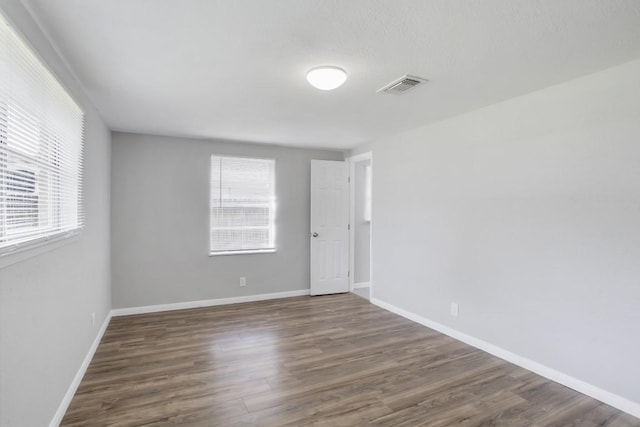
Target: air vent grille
(403, 85)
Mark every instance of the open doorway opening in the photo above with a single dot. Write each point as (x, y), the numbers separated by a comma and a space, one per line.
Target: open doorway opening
(360, 173)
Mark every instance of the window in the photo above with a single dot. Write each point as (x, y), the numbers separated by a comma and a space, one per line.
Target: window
(242, 205)
(41, 143)
(367, 194)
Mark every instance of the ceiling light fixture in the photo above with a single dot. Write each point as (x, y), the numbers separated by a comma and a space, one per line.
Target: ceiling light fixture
(326, 77)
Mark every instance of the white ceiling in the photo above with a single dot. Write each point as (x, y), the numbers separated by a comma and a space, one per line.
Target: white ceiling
(235, 69)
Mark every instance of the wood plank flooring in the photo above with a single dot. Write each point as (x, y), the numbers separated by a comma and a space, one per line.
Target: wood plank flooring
(320, 361)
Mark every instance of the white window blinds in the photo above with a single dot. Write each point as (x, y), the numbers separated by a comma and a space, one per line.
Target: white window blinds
(41, 143)
(242, 205)
(367, 194)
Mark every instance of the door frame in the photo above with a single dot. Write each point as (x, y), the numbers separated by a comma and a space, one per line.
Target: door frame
(352, 161)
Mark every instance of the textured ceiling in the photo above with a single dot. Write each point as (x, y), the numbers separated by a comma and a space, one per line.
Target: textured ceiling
(236, 69)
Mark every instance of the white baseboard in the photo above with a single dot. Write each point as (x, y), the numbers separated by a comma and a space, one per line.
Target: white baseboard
(205, 303)
(71, 391)
(361, 285)
(583, 387)
(604, 396)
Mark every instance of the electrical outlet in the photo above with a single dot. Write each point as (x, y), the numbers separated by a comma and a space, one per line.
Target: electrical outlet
(454, 309)
(93, 319)
(243, 281)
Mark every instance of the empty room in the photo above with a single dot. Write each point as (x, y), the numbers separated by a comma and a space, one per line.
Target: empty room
(320, 213)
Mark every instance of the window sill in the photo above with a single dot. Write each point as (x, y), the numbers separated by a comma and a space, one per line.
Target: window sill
(32, 249)
(251, 251)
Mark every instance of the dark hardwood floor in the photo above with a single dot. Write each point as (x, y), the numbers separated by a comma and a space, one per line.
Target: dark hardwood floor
(328, 361)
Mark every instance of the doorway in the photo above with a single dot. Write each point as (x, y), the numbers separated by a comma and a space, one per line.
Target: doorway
(360, 195)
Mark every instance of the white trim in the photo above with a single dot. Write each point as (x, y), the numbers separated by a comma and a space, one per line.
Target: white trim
(73, 387)
(351, 161)
(244, 252)
(583, 387)
(352, 220)
(26, 245)
(359, 157)
(205, 303)
(371, 229)
(33, 251)
(361, 285)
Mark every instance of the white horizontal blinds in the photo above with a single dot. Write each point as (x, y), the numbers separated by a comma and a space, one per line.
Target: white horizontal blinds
(41, 148)
(367, 193)
(242, 204)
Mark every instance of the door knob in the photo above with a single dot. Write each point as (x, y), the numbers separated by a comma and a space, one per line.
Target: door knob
(315, 234)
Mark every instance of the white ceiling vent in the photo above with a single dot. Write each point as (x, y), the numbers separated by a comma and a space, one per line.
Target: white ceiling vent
(403, 84)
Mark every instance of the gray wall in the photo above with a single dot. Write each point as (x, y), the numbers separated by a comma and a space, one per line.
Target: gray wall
(362, 228)
(526, 213)
(47, 294)
(160, 236)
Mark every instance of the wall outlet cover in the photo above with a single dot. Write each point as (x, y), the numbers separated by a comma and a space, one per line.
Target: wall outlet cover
(454, 309)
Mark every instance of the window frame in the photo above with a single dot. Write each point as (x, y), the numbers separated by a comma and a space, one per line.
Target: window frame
(54, 234)
(273, 227)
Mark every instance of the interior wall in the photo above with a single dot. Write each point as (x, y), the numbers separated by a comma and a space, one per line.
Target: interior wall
(362, 227)
(160, 222)
(526, 213)
(47, 294)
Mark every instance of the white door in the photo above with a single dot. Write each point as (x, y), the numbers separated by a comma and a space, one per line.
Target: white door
(329, 227)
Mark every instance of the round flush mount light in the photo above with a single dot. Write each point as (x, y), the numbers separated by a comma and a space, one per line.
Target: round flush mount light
(326, 77)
